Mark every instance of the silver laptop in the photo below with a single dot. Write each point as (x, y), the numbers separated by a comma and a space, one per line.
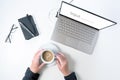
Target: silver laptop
(78, 28)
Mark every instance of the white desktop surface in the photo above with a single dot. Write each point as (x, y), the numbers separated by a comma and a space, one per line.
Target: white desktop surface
(103, 64)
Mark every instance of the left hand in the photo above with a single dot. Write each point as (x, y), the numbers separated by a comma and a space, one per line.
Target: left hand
(36, 66)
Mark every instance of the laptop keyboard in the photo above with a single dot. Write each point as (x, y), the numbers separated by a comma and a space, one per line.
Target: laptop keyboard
(75, 29)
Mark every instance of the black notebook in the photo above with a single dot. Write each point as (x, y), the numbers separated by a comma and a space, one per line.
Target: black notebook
(28, 27)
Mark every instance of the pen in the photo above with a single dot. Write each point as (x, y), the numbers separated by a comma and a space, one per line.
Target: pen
(22, 25)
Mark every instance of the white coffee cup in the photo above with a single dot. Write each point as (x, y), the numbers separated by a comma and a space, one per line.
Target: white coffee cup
(47, 56)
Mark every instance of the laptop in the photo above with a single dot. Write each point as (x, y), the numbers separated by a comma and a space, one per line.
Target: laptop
(78, 28)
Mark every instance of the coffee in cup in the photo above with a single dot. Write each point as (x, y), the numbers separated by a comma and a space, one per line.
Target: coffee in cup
(47, 56)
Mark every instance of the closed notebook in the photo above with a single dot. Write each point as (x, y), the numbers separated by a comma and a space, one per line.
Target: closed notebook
(28, 27)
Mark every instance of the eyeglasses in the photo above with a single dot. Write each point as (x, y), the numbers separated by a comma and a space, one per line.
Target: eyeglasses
(12, 30)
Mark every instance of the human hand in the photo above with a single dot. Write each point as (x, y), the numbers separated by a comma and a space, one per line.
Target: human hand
(62, 64)
(36, 66)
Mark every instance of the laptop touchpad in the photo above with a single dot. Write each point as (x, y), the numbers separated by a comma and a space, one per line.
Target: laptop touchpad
(71, 42)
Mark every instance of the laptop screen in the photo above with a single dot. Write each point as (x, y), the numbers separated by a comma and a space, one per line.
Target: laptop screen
(84, 16)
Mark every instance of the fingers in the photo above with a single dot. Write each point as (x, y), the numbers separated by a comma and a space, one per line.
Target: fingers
(59, 58)
(42, 65)
(58, 63)
(38, 53)
(62, 54)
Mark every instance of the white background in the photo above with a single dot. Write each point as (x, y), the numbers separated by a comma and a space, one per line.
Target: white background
(103, 64)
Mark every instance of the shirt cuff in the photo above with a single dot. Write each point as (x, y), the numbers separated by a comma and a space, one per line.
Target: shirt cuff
(71, 76)
(30, 75)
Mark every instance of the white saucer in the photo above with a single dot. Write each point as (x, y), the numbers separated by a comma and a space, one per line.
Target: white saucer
(52, 47)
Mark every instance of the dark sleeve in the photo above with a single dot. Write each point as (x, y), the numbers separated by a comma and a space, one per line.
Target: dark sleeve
(72, 76)
(29, 75)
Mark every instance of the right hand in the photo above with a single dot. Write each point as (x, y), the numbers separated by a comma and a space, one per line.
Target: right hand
(62, 64)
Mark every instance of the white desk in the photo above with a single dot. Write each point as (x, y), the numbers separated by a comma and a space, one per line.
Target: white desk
(103, 64)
